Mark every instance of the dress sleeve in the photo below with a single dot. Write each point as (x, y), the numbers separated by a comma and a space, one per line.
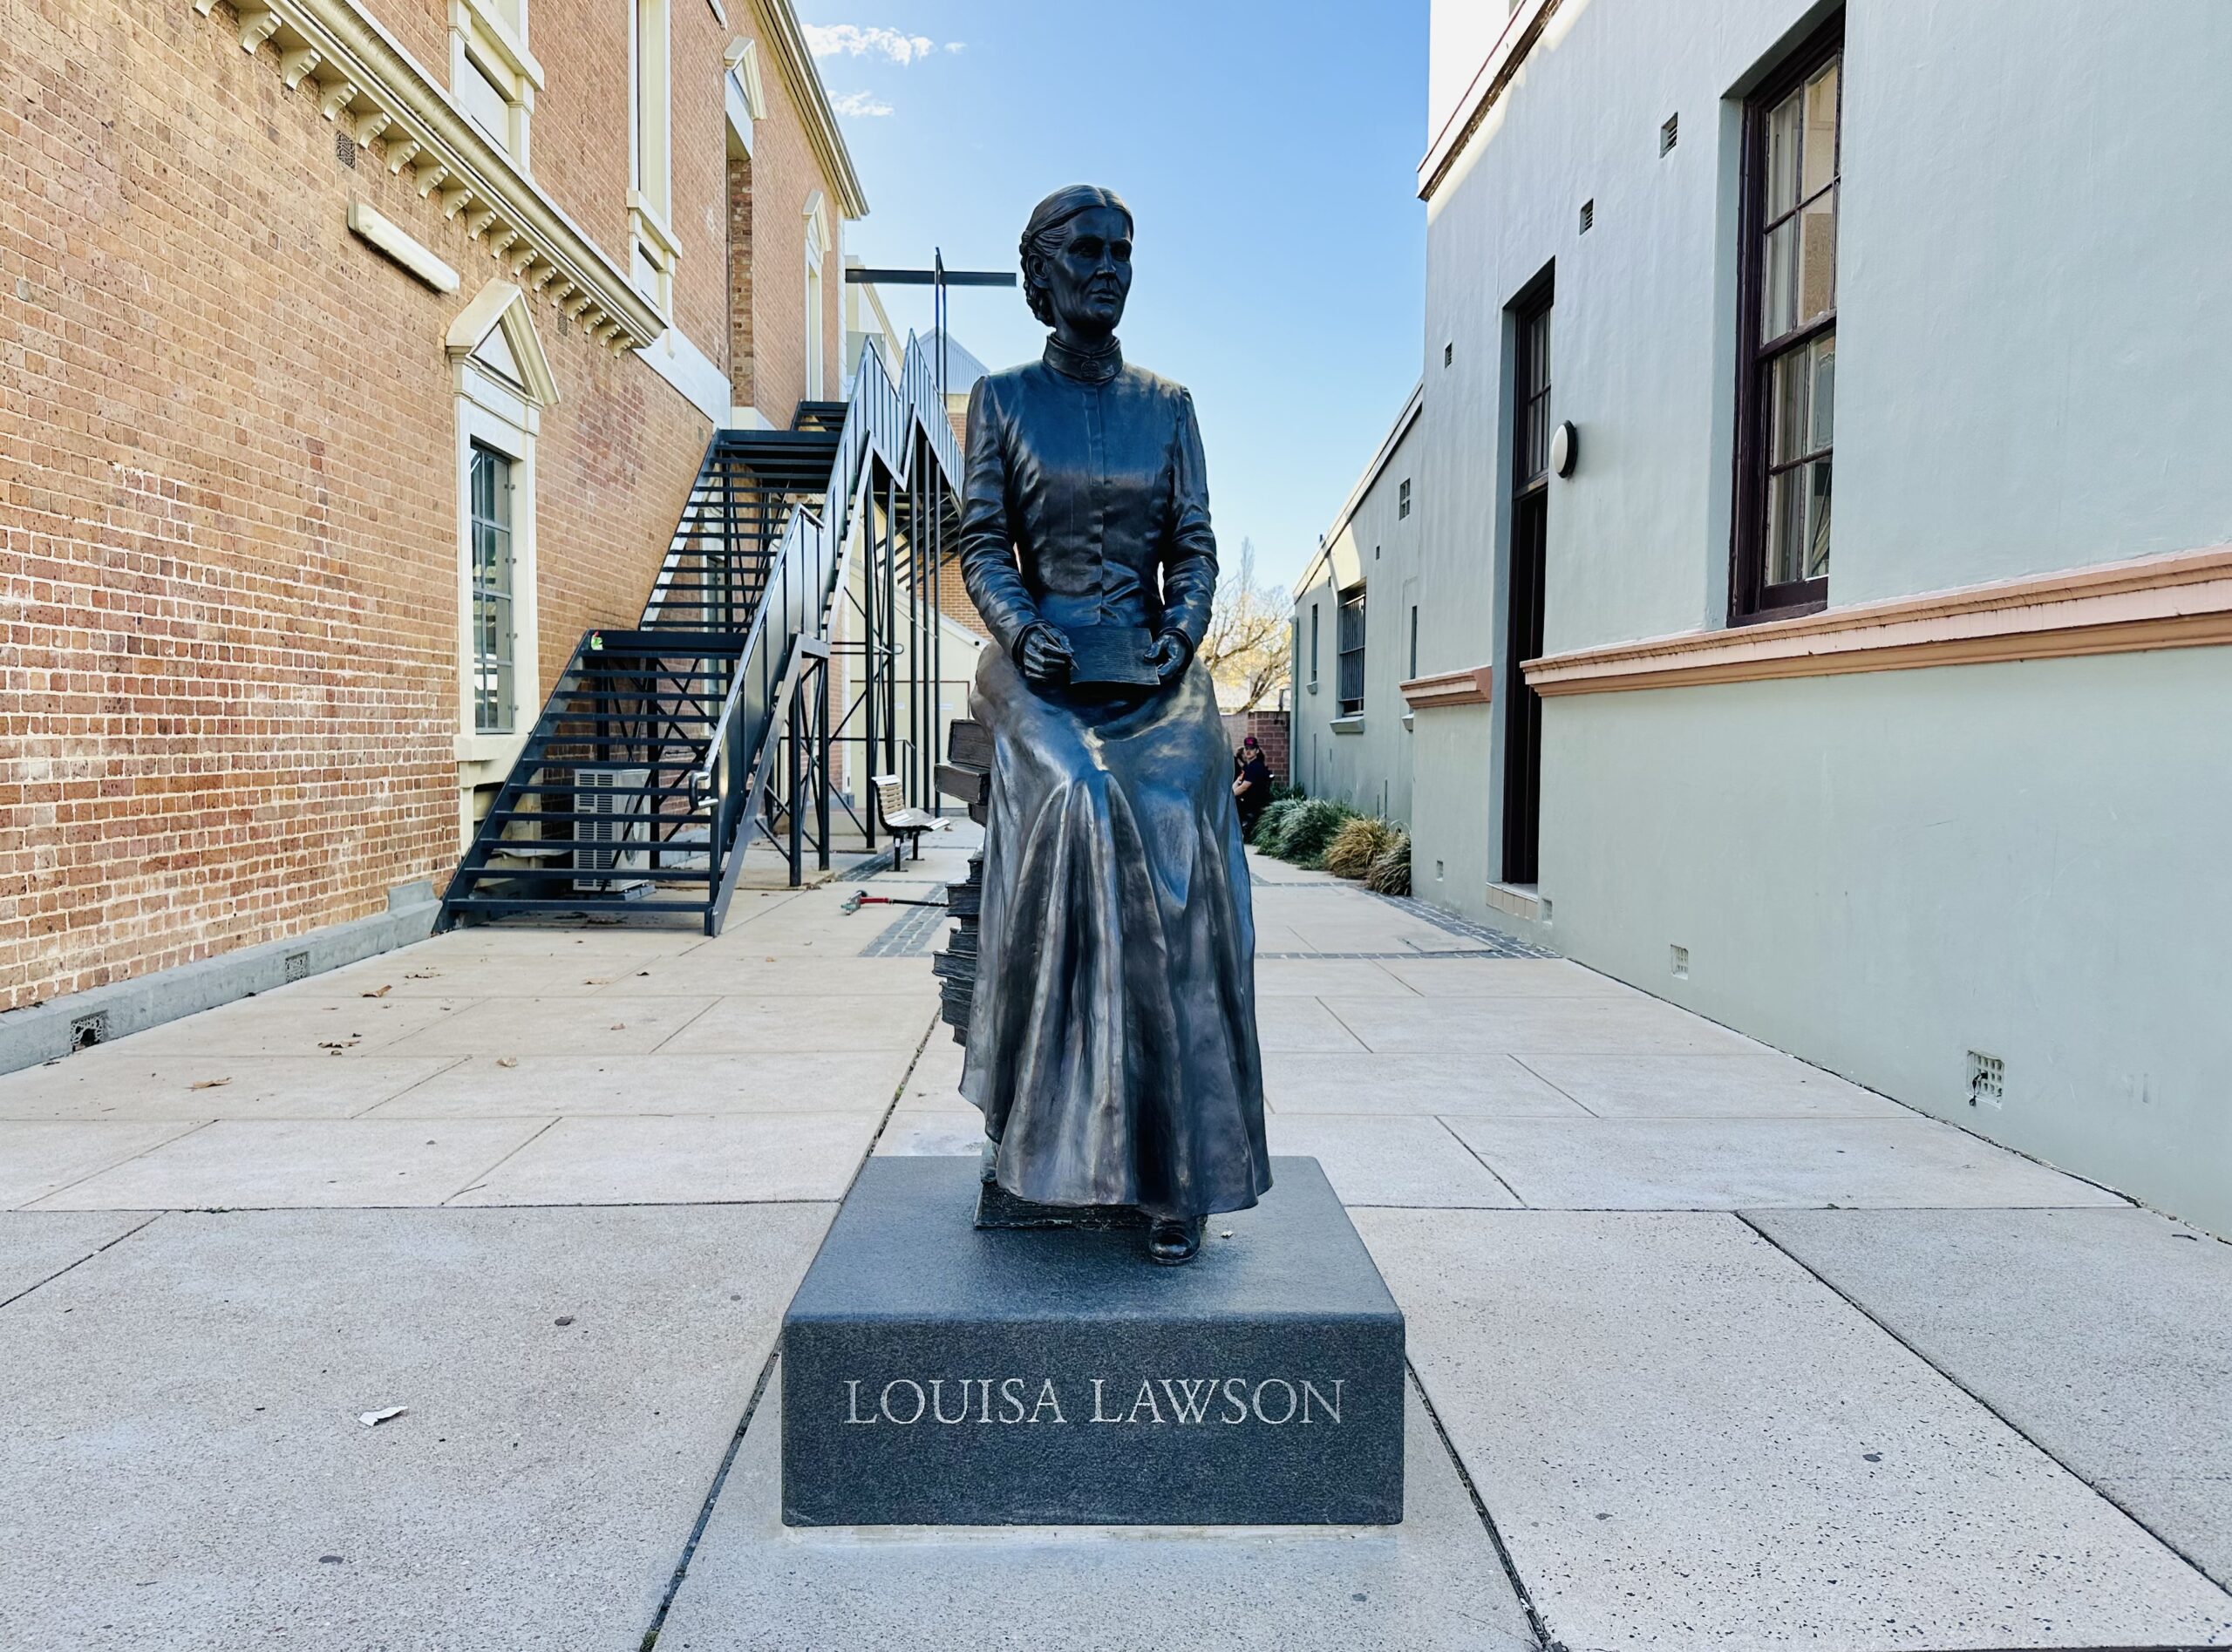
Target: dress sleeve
(988, 566)
(1189, 555)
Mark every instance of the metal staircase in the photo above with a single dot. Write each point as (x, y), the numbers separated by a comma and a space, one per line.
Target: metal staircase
(664, 750)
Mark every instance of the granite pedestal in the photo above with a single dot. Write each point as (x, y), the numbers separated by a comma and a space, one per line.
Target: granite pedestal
(937, 1373)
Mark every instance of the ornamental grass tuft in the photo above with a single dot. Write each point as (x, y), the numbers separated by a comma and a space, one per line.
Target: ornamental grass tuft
(1356, 845)
(1271, 825)
(1311, 828)
(1389, 872)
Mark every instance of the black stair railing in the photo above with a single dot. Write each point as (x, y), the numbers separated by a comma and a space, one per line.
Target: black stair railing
(652, 766)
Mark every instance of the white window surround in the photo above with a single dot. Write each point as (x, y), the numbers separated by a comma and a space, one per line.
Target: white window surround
(653, 250)
(817, 249)
(503, 382)
(488, 45)
(745, 98)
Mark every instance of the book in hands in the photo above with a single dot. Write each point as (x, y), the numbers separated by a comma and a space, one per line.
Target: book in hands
(1110, 656)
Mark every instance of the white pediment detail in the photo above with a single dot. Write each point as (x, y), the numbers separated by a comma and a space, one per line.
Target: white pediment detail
(497, 332)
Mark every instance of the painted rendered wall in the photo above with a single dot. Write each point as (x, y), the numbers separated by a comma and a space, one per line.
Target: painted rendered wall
(2023, 860)
(1369, 769)
(1879, 872)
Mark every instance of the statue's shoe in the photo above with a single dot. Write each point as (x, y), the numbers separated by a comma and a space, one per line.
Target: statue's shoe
(1171, 1242)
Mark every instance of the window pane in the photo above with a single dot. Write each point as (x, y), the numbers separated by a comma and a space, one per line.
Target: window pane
(1817, 242)
(1779, 284)
(1788, 387)
(1821, 146)
(1822, 426)
(1781, 179)
(1785, 526)
(1817, 519)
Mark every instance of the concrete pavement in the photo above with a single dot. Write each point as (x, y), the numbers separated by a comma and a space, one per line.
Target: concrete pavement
(1709, 1349)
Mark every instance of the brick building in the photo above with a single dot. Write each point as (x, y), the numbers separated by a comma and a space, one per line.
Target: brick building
(355, 357)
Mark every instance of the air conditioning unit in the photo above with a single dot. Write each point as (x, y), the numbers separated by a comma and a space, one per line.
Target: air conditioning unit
(616, 812)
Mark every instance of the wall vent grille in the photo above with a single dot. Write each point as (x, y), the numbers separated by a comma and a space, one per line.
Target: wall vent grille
(1987, 1079)
(295, 967)
(1588, 214)
(88, 1031)
(1669, 133)
(1677, 959)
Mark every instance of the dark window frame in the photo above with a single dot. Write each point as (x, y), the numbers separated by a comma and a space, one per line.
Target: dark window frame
(495, 595)
(1314, 607)
(1348, 661)
(1751, 600)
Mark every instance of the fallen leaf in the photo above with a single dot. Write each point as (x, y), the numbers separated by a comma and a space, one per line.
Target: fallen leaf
(507, 1061)
(373, 1419)
(563, 1319)
(619, 1026)
(210, 1083)
(380, 992)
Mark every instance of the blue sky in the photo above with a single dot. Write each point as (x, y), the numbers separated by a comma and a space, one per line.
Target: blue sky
(1269, 152)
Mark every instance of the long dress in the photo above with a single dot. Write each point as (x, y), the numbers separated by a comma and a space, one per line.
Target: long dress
(1112, 1046)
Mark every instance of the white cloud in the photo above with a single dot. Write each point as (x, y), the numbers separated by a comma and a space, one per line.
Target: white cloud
(860, 102)
(826, 40)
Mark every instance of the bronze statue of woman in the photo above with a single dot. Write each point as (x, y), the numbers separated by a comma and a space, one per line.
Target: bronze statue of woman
(1111, 1046)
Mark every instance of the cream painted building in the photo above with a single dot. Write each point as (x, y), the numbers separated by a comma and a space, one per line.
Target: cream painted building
(1929, 790)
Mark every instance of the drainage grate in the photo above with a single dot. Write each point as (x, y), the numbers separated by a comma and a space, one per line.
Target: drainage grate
(296, 967)
(1987, 1079)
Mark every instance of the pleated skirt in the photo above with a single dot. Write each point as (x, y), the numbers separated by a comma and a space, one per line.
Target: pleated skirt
(1112, 1043)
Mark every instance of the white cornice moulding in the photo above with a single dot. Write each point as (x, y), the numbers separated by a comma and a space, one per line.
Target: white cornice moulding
(384, 95)
(379, 232)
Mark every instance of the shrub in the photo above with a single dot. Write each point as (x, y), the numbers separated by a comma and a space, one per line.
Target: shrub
(1311, 828)
(1270, 825)
(1356, 845)
(1390, 872)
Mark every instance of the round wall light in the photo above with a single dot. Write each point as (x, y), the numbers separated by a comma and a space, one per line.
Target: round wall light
(1565, 448)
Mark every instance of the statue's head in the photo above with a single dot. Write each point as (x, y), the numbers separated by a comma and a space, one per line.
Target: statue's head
(1076, 260)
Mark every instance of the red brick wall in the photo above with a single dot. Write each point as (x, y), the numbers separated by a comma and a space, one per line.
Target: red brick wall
(227, 482)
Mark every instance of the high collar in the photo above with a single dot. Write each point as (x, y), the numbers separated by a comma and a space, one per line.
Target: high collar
(1087, 367)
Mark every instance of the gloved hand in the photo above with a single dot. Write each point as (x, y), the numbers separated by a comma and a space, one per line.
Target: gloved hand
(1171, 653)
(1042, 654)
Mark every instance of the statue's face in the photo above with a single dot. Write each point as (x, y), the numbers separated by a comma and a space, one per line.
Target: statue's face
(1091, 276)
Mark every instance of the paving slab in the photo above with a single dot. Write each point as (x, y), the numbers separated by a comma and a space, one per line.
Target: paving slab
(1303, 1026)
(935, 1080)
(483, 1087)
(744, 1025)
(257, 1164)
(1469, 978)
(40, 1157)
(1689, 1442)
(577, 974)
(193, 1087)
(178, 1432)
(940, 1130)
(1432, 1584)
(304, 1019)
(36, 1245)
(1389, 1160)
(1740, 1164)
(754, 976)
(1334, 978)
(1637, 1026)
(1766, 1084)
(599, 1025)
(1496, 1085)
(2105, 1336)
(724, 1159)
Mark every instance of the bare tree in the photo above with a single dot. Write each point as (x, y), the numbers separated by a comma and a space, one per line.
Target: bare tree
(1246, 648)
